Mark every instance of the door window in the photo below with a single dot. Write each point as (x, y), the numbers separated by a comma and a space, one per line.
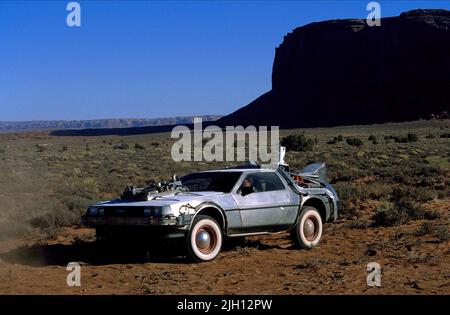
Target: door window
(260, 182)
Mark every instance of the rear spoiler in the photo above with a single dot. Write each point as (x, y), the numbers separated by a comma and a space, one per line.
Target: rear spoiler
(315, 170)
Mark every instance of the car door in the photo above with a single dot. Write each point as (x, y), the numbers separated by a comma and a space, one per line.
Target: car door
(266, 205)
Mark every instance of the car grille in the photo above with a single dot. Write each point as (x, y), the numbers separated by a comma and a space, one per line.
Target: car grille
(126, 212)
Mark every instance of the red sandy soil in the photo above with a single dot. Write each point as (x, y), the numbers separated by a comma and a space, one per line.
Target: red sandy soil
(410, 264)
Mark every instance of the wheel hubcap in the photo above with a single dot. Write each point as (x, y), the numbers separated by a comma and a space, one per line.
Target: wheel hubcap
(205, 239)
(310, 228)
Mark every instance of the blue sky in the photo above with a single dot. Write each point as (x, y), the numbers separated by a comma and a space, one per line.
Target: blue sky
(149, 58)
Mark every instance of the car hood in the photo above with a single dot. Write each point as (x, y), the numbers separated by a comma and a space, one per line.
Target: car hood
(161, 200)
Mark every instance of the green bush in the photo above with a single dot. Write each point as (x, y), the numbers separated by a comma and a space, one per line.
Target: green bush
(400, 212)
(139, 146)
(50, 223)
(353, 141)
(373, 139)
(297, 143)
(122, 146)
(442, 233)
(424, 229)
(387, 215)
(410, 137)
(335, 140)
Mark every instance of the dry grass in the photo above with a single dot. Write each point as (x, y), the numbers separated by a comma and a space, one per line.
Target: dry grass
(47, 182)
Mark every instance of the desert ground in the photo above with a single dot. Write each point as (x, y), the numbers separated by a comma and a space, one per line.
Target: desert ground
(393, 180)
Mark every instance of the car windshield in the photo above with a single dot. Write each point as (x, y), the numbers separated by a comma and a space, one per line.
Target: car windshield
(211, 181)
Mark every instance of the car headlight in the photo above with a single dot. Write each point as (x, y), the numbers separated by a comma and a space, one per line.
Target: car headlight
(92, 211)
(157, 211)
(152, 212)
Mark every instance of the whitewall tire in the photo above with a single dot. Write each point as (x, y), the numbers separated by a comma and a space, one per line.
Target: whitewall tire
(308, 230)
(204, 240)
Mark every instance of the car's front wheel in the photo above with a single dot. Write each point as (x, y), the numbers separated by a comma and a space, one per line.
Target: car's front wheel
(204, 240)
(308, 230)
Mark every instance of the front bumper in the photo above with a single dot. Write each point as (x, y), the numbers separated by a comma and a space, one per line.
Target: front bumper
(182, 221)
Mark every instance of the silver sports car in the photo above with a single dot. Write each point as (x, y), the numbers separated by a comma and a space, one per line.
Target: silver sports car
(205, 207)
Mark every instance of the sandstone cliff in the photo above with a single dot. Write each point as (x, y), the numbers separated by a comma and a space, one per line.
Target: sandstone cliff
(345, 72)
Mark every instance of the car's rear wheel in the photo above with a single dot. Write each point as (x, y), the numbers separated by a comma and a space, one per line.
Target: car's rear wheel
(204, 240)
(308, 230)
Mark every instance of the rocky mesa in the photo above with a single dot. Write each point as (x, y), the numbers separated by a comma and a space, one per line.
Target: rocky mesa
(342, 72)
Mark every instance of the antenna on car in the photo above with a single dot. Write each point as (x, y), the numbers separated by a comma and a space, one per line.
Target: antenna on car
(281, 156)
(281, 163)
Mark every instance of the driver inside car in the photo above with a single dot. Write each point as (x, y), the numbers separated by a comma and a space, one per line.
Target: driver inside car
(247, 186)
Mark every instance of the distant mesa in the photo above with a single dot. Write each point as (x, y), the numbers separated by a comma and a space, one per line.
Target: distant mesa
(344, 72)
(13, 126)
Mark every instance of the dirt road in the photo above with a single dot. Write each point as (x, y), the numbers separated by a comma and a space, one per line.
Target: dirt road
(411, 264)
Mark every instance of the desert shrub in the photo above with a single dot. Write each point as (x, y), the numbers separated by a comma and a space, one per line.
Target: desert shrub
(3, 148)
(410, 137)
(410, 208)
(41, 147)
(445, 135)
(359, 192)
(387, 215)
(297, 143)
(401, 139)
(76, 204)
(122, 146)
(139, 146)
(50, 223)
(376, 190)
(431, 215)
(155, 144)
(335, 140)
(411, 193)
(346, 174)
(347, 209)
(424, 229)
(442, 233)
(353, 141)
(373, 139)
(64, 148)
(400, 212)
(430, 136)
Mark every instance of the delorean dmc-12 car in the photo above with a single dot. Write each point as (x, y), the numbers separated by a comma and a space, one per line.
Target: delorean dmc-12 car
(205, 207)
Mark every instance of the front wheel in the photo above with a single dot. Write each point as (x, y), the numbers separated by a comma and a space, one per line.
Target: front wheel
(204, 240)
(308, 230)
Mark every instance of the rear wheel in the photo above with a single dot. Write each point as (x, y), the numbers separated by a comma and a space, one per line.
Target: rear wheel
(308, 230)
(204, 240)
